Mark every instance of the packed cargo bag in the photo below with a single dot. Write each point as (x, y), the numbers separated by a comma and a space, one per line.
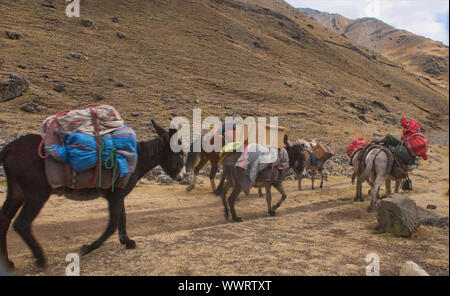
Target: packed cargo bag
(88, 148)
(355, 144)
(321, 152)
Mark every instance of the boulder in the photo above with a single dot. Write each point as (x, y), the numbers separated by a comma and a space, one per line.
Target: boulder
(412, 269)
(13, 88)
(398, 216)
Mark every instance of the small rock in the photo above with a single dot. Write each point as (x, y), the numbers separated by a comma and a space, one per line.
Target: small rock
(135, 114)
(31, 107)
(76, 56)
(115, 19)
(363, 118)
(59, 87)
(412, 269)
(118, 84)
(431, 207)
(144, 181)
(311, 26)
(13, 35)
(120, 35)
(97, 97)
(2, 191)
(164, 180)
(287, 84)
(87, 22)
(196, 101)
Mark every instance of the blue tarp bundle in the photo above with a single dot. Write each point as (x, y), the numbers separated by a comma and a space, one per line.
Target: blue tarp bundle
(80, 150)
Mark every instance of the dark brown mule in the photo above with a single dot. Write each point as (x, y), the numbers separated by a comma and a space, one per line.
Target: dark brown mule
(28, 188)
(231, 173)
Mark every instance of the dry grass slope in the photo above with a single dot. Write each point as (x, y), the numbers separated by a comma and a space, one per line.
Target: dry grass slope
(233, 56)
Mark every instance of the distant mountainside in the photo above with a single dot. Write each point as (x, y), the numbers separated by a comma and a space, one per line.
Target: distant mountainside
(417, 54)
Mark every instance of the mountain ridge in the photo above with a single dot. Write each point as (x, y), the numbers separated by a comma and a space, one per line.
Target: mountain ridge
(417, 54)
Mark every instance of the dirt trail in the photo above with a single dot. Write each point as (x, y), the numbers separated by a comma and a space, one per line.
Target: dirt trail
(321, 232)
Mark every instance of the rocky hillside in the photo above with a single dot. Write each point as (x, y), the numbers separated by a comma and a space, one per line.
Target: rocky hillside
(159, 59)
(415, 53)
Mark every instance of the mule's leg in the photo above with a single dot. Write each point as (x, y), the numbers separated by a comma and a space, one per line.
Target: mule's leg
(359, 195)
(194, 172)
(269, 200)
(321, 178)
(123, 236)
(192, 181)
(115, 205)
(387, 183)
(231, 199)
(219, 188)
(31, 208)
(397, 185)
(279, 187)
(212, 176)
(260, 194)
(313, 174)
(299, 176)
(8, 211)
(226, 188)
(374, 192)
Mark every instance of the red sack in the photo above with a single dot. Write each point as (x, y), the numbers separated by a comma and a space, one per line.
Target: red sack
(416, 144)
(355, 144)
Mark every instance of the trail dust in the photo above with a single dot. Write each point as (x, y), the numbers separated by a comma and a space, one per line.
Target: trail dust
(320, 232)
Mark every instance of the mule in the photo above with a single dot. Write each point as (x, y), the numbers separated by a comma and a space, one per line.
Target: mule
(231, 173)
(28, 188)
(380, 166)
(309, 167)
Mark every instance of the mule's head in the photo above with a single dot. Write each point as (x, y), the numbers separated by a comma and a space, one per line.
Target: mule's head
(171, 162)
(296, 155)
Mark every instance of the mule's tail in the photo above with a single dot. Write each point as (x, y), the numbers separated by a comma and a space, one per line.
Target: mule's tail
(3, 153)
(368, 168)
(219, 188)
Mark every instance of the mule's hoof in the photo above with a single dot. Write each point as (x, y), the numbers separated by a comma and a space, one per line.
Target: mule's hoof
(189, 189)
(85, 249)
(130, 245)
(272, 213)
(41, 263)
(237, 219)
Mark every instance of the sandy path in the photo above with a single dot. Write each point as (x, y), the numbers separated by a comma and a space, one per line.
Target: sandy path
(321, 232)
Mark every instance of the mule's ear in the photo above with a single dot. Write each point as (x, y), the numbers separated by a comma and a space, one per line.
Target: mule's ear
(159, 130)
(286, 141)
(172, 132)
